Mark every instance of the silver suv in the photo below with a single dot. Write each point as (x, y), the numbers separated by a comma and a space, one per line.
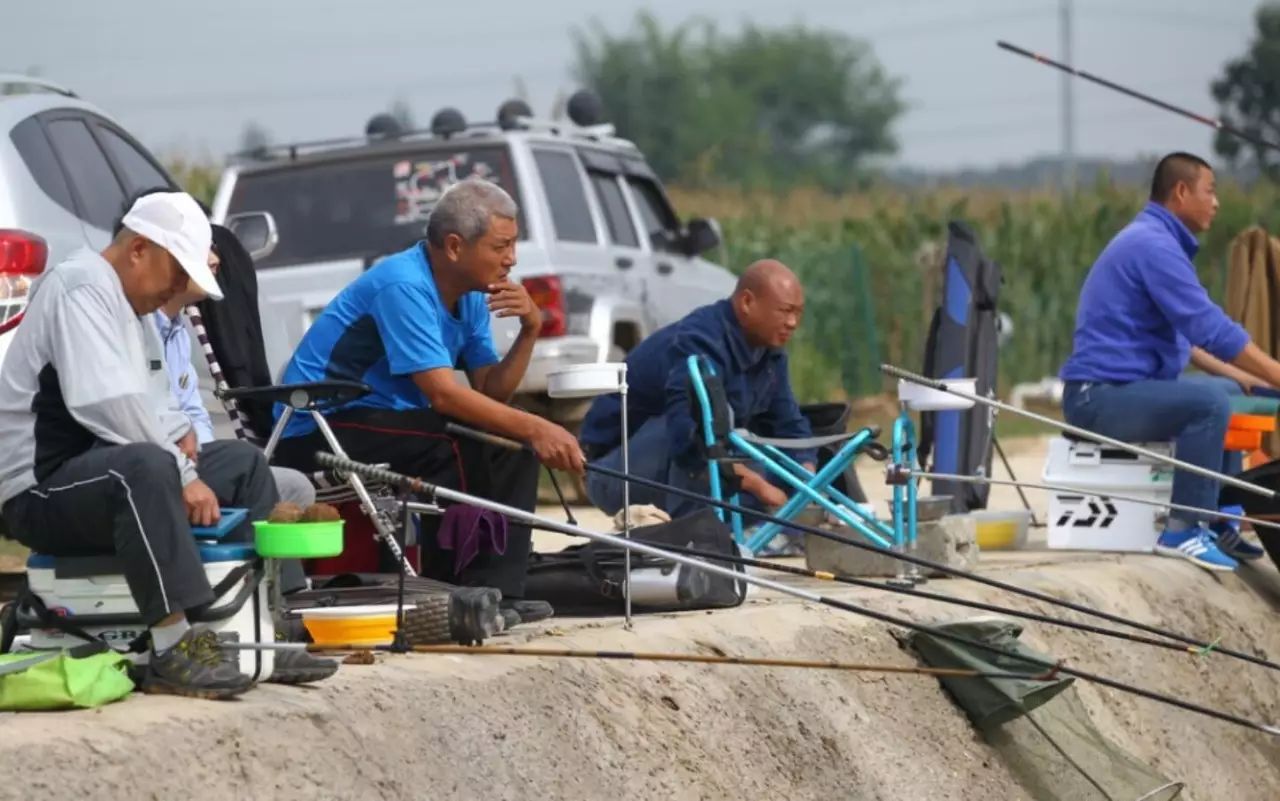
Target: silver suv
(601, 249)
(66, 172)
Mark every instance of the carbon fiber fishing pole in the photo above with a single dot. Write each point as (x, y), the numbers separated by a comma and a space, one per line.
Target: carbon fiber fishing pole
(824, 575)
(1099, 493)
(1083, 433)
(436, 493)
(1201, 645)
(654, 656)
(1212, 122)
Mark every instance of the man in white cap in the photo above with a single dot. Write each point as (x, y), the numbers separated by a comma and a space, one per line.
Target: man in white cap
(89, 466)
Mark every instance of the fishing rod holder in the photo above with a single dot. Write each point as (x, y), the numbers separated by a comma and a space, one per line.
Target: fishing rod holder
(897, 475)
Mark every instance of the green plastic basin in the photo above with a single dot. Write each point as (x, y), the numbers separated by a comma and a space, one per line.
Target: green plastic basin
(298, 540)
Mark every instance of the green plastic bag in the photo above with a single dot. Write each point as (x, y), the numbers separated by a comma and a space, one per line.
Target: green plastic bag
(61, 680)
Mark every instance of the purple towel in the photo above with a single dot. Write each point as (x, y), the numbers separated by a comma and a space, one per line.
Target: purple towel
(469, 531)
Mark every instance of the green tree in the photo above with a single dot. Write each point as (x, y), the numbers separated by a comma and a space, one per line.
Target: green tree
(1248, 95)
(764, 106)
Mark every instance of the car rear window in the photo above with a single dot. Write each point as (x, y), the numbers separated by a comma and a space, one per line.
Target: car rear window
(362, 207)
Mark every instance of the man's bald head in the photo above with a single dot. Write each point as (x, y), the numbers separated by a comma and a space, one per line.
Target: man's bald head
(766, 276)
(768, 302)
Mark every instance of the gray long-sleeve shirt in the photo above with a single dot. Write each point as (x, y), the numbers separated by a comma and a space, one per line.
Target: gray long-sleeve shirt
(79, 374)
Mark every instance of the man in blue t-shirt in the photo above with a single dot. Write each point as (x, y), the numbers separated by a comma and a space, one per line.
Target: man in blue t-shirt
(403, 328)
(1143, 315)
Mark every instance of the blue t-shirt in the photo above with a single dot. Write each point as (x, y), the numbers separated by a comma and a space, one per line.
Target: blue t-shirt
(385, 326)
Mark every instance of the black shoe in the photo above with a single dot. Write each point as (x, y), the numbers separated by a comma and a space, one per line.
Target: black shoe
(194, 668)
(528, 611)
(300, 667)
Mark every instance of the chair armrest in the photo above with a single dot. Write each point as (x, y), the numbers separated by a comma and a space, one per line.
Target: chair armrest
(303, 397)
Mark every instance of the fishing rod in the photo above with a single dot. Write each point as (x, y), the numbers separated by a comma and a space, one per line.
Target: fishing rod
(654, 656)
(854, 581)
(1099, 493)
(1083, 433)
(1213, 122)
(436, 493)
(940, 567)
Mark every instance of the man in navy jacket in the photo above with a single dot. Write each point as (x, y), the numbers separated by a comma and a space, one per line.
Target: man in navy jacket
(743, 337)
(1143, 315)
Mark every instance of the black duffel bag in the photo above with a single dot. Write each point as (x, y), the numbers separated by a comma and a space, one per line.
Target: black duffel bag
(587, 579)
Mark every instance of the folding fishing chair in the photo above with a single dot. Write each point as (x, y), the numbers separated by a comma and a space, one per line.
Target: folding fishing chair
(725, 444)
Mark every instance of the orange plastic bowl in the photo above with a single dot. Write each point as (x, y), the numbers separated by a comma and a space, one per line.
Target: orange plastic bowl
(331, 626)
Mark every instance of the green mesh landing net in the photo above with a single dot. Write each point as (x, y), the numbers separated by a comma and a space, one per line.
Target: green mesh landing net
(1041, 730)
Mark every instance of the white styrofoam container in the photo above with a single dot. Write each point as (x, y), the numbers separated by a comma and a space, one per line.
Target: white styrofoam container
(1087, 518)
(108, 594)
(920, 398)
(585, 380)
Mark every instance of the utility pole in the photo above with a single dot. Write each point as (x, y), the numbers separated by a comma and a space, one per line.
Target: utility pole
(1068, 99)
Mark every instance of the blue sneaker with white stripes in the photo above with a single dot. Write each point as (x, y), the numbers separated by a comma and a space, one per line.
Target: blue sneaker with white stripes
(1231, 542)
(1198, 546)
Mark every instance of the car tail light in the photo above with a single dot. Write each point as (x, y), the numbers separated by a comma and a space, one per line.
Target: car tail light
(548, 294)
(22, 258)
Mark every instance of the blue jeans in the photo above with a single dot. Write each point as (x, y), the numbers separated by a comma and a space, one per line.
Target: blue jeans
(650, 459)
(1193, 411)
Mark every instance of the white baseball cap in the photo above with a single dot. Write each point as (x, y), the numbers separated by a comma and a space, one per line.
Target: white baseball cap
(175, 222)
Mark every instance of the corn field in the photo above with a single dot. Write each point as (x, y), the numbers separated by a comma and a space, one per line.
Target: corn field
(871, 267)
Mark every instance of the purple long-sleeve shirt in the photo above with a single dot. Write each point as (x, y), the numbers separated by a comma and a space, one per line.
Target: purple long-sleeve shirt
(1142, 307)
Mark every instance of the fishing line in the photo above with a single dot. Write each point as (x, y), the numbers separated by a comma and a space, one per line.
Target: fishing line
(839, 578)
(436, 492)
(940, 567)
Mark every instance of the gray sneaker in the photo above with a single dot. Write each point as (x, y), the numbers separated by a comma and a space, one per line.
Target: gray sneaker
(194, 668)
(300, 667)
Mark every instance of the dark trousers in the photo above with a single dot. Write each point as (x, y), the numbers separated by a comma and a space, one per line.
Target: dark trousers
(127, 500)
(413, 442)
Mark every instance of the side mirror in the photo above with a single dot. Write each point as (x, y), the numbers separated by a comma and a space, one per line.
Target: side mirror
(256, 230)
(701, 235)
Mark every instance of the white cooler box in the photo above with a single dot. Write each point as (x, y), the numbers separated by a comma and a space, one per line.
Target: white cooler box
(1087, 519)
(92, 594)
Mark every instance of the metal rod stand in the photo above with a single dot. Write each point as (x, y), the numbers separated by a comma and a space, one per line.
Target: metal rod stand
(1008, 468)
(366, 501)
(626, 499)
(906, 375)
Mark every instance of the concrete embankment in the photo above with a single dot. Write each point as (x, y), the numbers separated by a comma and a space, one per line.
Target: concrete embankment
(425, 726)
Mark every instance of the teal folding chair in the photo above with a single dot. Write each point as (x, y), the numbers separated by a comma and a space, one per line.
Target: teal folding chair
(724, 444)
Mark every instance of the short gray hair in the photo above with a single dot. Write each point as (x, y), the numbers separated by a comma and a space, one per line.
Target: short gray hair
(465, 209)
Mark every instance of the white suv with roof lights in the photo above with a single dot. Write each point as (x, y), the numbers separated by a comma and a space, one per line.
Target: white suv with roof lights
(601, 249)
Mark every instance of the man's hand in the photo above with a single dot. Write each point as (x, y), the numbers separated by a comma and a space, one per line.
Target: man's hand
(759, 486)
(769, 495)
(509, 299)
(202, 504)
(557, 449)
(1249, 383)
(189, 445)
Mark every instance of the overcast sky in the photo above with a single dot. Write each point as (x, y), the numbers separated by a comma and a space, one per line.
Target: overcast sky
(187, 81)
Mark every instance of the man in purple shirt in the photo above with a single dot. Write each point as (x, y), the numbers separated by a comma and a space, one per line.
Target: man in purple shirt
(1143, 315)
